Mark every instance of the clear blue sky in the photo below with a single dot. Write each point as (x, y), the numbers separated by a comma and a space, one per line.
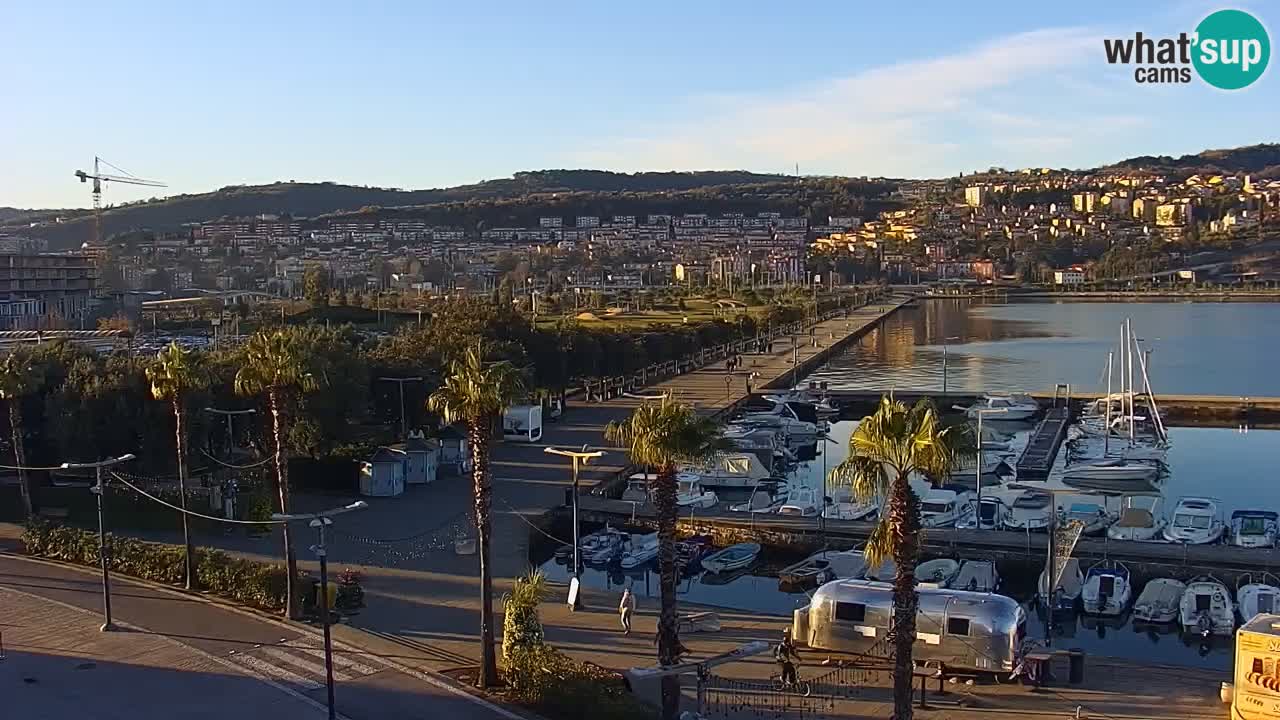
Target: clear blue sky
(426, 94)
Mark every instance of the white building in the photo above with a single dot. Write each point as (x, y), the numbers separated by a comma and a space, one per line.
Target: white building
(1070, 276)
(974, 195)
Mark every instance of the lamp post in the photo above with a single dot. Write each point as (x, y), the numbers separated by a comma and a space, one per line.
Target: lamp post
(981, 412)
(404, 433)
(229, 414)
(320, 521)
(104, 552)
(578, 456)
(945, 340)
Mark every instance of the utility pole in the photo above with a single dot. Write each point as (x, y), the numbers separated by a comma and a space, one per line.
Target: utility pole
(945, 340)
(583, 455)
(320, 521)
(229, 414)
(404, 433)
(104, 552)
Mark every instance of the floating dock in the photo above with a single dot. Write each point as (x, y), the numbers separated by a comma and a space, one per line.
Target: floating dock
(1042, 449)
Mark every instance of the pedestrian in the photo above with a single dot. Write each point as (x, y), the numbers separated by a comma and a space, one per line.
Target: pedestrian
(626, 609)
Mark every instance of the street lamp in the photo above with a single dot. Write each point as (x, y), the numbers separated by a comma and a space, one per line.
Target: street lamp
(104, 553)
(944, 361)
(981, 412)
(319, 521)
(228, 414)
(583, 455)
(404, 433)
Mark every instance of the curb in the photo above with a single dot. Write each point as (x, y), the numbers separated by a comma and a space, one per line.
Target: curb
(431, 677)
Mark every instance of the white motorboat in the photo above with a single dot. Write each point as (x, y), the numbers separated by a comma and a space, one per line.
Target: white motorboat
(1067, 592)
(846, 564)
(766, 497)
(1093, 517)
(884, 572)
(730, 470)
(638, 487)
(813, 570)
(1260, 595)
(731, 558)
(690, 494)
(944, 507)
(995, 471)
(764, 442)
(845, 506)
(938, 572)
(1118, 471)
(1159, 601)
(976, 576)
(1195, 521)
(1137, 524)
(798, 420)
(1254, 528)
(802, 502)
(1107, 589)
(1010, 406)
(989, 513)
(1030, 510)
(640, 550)
(1206, 608)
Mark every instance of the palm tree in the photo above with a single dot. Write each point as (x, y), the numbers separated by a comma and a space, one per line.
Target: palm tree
(175, 373)
(475, 393)
(885, 450)
(20, 376)
(275, 364)
(664, 436)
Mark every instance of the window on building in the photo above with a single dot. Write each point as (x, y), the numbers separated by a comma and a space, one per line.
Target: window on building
(958, 626)
(852, 612)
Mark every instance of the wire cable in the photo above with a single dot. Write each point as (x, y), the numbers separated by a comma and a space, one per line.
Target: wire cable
(32, 469)
(525, 520)
(250, 466)
(153, 498)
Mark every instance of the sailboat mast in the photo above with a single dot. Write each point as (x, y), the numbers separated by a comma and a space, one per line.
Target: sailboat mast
(1151, 397)
(1106, 434)
(1128, 348)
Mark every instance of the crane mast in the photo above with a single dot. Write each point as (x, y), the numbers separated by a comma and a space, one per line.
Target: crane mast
(98, 179)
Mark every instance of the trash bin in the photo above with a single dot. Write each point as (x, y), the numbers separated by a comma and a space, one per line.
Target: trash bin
(1076, 657)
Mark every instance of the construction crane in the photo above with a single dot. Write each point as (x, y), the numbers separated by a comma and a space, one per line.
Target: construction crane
(98, 179)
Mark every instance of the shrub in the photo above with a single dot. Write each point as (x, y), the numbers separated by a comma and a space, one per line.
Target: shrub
(554, 685)
(247, 582)
(521, 628)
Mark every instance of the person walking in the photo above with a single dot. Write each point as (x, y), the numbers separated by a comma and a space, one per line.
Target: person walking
(626, 609)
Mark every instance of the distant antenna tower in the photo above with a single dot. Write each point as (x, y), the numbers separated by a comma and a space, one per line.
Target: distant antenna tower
(797, 169)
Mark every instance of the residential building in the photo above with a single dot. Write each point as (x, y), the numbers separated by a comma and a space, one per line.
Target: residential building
(60, 287)
(1069, 276)
(974, 195)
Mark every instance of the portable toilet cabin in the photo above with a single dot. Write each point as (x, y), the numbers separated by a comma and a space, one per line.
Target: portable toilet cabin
(423, 459)
(455, 450)
(522, 423)
(383, 474)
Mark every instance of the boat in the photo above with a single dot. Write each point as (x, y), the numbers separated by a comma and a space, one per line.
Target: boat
(846, 563)
(1030, 510)
(1066, 593)
(990, 513)
(729, 470)
(797, 419)
(1159, 601)
(606, 549)
(885, 572)
(810, 572)
(1196, 521)
(976, 576)
(767, 496)
(1253, 528)
(1113, 472)
(845, 506)
(1257, 596)
(638, 487)
(1206, 609)
(731, 558)
(1093, 517)
(995, 471)
(943, 507)
(938, 572)
(1107, 589)
(802, 502)
(1141, 524)
(640, 550)
(689, 493)
(1008, 406)
(690, 551)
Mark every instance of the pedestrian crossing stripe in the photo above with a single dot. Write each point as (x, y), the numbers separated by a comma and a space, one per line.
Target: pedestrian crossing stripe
(263, 667)
(339, 660)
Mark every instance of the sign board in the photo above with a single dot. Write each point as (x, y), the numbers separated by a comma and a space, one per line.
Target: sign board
(1257, 688)
(573, 592)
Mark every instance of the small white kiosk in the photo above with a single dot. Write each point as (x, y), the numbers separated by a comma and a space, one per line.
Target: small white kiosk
(522, 423)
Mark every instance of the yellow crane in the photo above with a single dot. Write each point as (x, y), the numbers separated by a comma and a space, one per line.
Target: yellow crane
(98, 179)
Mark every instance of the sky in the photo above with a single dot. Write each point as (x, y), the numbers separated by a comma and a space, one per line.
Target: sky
(434, 93)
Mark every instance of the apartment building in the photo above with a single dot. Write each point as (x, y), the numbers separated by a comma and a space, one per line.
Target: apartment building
(39, 290)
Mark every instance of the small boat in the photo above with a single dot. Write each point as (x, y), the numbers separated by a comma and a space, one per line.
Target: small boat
(944, 507)
(1159, 601)
(731, 558)
(1117, 472)
(1106, 590)
(1011, 406)
(638, 487)
(994, 472)
(605, 550)
(1254, 528)
(691, 550)
(1196, 521)
(802, 502)
(640, 550)
(884, 572)
(1030, 511)
(845, 506)
(937, 572)
(1262, 596)
(1206, 609)
(1092, 516)
(1139, 524)
(990, 514)
(730, 470)
(689, 493)
(976, 576)
(846, 564)
(767, 496)
(1064, 596)
(810, 572)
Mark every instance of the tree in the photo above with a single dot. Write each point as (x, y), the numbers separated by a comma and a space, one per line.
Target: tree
(475, 393)
(275, 365)
(315, 285)
(20, 376)
(884, 451)
(175, 373)
(664, 436)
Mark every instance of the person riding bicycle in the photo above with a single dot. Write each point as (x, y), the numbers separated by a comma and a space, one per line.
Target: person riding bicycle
(782, 654)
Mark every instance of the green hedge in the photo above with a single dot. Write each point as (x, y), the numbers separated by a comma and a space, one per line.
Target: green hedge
(247, 582)
(555, 685)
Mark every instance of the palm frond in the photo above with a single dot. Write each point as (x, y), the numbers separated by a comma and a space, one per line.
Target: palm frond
(864, 475)
(474, 390)
(667, 434)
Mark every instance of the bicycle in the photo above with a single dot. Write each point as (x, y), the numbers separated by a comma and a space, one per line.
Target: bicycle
(799, 687)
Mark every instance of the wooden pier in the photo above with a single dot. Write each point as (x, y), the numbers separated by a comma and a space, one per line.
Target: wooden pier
(1042, 449)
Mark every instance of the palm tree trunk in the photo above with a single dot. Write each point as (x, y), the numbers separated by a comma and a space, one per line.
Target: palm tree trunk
(904, 524)
(479, 437)
(188, 559)
(20, 459)
(282, 486)
(664, 500)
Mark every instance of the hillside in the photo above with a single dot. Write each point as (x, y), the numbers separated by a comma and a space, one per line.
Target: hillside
(1262, 159)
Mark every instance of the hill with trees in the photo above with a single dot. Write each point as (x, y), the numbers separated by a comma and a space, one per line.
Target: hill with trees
(1262, 159)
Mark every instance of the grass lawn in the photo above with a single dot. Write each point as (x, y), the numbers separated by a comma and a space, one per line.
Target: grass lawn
(697, 311)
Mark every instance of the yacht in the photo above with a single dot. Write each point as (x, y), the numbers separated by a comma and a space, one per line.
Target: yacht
(938, 572)
(798, 420)
(1093, 517)
(1070, 583)
(1014, 406)
(1196, 521)
(1206, 609)
(1253, 528)
(1117, 473)
(765, 443)
(990, 514)
(1137, 524)
(730, 470)
(767, 496)
(1030, 510)
(689, 493)
(640, 550)
(1159, 601)
(1106, 589)
(995, 471)
(976, 576)
(944, 507)
(845, 505)
(638, 487)
(1260, 596)
(802, 502)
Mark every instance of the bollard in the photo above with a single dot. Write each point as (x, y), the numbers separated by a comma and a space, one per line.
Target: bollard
(1076, 675)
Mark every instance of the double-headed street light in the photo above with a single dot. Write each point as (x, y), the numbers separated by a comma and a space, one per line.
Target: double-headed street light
(578, 456)
(104, 552)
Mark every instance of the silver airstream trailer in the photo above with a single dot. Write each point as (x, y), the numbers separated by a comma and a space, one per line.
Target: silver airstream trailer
(957, 628)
